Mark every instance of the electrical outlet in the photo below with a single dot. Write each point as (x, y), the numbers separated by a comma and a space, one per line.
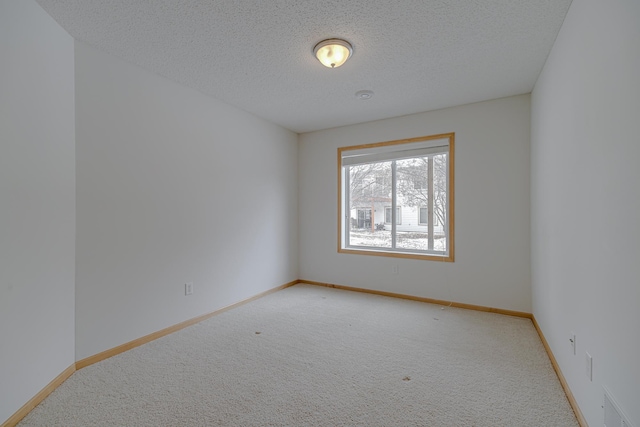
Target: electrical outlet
(188, 288)
(395, 269)
(589, 366)
(572, 341)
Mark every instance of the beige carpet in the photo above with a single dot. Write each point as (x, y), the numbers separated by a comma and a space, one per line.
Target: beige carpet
(313, 356)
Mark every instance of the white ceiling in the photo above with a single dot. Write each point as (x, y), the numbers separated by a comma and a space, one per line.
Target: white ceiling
(416, 55)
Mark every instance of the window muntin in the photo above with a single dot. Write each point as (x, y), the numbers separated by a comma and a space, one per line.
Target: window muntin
(407, 187)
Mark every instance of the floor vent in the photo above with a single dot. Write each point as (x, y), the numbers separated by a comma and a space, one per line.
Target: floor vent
(613, 415)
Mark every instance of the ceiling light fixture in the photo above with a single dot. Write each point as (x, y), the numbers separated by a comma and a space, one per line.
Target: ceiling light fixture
(332, 53)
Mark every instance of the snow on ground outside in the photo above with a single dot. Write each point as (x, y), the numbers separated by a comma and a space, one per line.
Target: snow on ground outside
(404, 240)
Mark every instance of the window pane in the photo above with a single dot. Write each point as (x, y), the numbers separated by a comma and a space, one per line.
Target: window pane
(440, 202)
(418, 180)
(412, 192)
(369, 194)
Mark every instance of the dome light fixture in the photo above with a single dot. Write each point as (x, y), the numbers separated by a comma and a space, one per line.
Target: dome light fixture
(332, 53)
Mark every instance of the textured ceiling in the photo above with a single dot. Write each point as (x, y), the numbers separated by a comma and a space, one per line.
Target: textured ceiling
(415, 55)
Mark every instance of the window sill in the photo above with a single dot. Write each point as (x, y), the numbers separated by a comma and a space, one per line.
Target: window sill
(397, 254)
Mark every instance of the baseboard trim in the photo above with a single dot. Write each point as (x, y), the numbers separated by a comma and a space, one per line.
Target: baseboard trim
(171, 329)
(42, 394)
(423, 299)
(563, 381)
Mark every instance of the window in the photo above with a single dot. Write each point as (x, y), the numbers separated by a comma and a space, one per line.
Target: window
(423, 216)
(377, 182)
(387, 215)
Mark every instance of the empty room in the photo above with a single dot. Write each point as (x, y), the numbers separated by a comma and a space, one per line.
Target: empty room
(319, 213)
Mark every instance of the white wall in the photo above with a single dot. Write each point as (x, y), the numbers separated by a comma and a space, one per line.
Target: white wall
(586, 201)
(37, 202)
(492, 227)
(173, 187)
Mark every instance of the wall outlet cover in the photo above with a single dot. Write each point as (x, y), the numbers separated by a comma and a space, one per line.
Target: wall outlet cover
(589, 366)
(188, 288)
(572, 341)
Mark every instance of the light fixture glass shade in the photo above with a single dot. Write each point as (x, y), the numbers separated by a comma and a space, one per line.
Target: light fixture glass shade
(332, 53)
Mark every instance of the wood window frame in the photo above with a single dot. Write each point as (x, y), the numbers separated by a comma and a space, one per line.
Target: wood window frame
(449, 256)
